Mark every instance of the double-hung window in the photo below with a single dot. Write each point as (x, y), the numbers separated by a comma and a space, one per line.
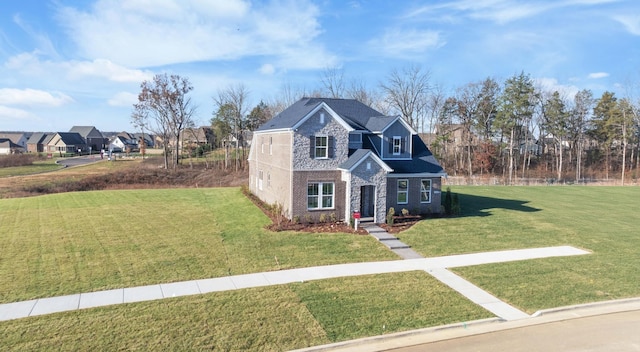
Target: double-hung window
(425, 191)
(260, 174)
(320, 195)
(403, 191)
(397, 145)
(322, 147)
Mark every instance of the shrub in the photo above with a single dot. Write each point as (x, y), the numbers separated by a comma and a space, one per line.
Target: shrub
(323, 218)
(17, 160)
(333, 218)
(390, 215)
(296, 219)
(405, 212)
(448, 202)
(455, 205)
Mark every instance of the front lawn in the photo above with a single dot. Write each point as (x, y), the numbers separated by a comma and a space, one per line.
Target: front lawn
(90, 241)
(604, 220)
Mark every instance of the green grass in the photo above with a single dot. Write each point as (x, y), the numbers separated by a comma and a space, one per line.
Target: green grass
(76, 242)
(603, 220)
(273, 318)
(35, 168)
(90, 241)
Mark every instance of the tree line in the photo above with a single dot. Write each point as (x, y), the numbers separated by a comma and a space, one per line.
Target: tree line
(512, 128)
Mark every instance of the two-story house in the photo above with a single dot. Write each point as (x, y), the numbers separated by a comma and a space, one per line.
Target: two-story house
(339, 156)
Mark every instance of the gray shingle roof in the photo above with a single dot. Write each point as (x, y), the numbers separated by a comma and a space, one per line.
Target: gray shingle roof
(71, 138)
(83, 130)
(354, 159)
(423, 161)
(360, 117)
(36, 138)
(352, 111)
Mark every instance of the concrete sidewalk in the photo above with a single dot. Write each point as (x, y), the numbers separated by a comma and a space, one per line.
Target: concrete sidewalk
(435, 266)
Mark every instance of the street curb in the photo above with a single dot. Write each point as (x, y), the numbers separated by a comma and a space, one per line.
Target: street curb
(484, 326)
(396, 335)
(585, 306)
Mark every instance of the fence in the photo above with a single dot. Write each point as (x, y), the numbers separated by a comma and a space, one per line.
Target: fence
(495, 180)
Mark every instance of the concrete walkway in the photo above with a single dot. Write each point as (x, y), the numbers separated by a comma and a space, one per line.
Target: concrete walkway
(390, 241)
(435, 266)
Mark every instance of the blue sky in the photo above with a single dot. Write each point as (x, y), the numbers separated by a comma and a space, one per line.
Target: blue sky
(72, 62)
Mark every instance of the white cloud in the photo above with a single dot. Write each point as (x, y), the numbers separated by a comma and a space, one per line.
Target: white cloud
(406, 44)
(630, 22)
(267, 69)
(145, 33)
(106, 69)
(501, 11)
(125, 99)
(596, 75)
(11, 96)
(551, 84)
(12, 113)
(30, 64)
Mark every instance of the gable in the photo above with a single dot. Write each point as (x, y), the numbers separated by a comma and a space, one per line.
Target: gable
(322, 112)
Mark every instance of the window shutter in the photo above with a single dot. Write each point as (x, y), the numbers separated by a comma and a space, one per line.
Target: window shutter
(312, 146)
(330, 146)
(403, 145)
(390, 144)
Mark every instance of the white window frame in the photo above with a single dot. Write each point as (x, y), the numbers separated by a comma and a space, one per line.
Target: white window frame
(397, 139)
(424, 191)
(325, 147)
(321, 196)
(260, 175)
(404, 191)
(268, 179)
(270, 145)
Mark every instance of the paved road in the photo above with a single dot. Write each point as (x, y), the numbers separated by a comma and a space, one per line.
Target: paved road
(80, 160)
(603, 326)
(610, 332)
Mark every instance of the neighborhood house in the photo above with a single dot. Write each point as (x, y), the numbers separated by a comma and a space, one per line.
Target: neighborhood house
(339, 156)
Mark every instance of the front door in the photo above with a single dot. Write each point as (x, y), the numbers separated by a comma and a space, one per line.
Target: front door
(367, 201)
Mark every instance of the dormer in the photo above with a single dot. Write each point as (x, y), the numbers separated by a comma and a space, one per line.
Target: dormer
(394, 137)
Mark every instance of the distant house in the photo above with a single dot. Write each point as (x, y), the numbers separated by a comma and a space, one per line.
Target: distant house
(93, 138)
(121, 143)
(36, 143)
(149, 139)
(197, 136)
(19, 138)
(8, 147)
(245, 140)
(67, 142)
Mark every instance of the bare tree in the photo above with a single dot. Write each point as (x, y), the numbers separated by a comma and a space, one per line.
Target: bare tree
(235, 97)
(406, 91)
(582, 105)
(164, 107)
(333, 81)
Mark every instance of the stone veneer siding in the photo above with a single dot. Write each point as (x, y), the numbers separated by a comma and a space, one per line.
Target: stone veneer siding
(377, 176)
(302, 159)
